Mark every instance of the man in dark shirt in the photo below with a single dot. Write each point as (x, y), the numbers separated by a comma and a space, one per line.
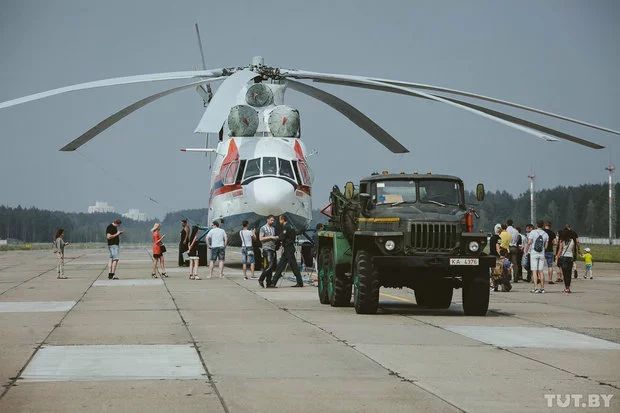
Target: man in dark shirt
(113, 235)
(287, 237)
(549, 255)
(494, 241)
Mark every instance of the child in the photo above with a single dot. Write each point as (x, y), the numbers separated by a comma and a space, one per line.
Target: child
(587, 258)
(501, 272)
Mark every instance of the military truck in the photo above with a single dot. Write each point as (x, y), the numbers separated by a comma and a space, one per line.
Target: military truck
(403, 230)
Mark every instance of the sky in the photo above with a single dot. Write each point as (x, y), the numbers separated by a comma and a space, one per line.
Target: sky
(560, 56)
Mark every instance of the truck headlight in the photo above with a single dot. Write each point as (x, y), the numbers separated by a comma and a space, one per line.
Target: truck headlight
(390, 245)
(473, 246)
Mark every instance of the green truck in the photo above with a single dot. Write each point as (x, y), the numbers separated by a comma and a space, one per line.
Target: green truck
(403, 230)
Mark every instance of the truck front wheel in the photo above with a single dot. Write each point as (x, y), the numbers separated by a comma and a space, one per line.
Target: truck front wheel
(476, 296)
(366, 284)
(325, 267)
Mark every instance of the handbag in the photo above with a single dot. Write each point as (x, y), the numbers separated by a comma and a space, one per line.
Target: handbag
(163, 248)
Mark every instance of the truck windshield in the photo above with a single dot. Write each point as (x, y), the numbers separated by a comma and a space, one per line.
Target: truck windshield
(440, 192)
(390, 192)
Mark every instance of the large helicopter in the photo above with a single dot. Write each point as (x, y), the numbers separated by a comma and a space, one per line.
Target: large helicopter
(260, 164)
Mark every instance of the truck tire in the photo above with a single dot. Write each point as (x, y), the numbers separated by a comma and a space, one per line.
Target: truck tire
(325, 265)
(476, 297)
(439, 296)
(366, 284)
(340, 288)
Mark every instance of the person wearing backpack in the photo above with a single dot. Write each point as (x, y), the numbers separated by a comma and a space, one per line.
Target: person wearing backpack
(537, 241)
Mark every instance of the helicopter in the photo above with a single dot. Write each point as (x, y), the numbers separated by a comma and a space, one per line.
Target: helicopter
(261, 165)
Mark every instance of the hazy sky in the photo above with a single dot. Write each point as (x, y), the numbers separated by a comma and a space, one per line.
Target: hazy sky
(560, 56)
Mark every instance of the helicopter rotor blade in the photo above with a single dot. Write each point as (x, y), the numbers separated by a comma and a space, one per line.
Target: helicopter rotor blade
(224, 98)
(155, 77)
(353, 114)
(111, 120)
(531, 128)
(495, 100)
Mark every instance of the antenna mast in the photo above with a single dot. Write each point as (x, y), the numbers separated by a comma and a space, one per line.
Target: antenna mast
(611, 169)
(532, 204)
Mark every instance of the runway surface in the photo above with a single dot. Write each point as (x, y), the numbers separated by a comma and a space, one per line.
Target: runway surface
(86, 344)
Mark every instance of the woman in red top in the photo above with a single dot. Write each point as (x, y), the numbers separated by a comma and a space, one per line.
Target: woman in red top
(158, 254)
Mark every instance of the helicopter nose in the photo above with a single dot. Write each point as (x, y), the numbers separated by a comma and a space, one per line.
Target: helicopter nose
(273, 196)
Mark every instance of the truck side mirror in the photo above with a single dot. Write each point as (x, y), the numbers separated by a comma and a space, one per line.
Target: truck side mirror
(480, 192)
(364, 201)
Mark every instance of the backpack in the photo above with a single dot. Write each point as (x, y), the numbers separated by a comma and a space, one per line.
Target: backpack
(498, 270)
(539, 243)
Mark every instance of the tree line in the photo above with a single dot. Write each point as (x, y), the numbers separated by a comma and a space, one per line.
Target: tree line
(585, 208)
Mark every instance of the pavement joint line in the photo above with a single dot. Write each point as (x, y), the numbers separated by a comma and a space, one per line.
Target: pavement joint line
(212, 382)
(13, 380)
(32, 278)
(390, 371)
(352, 347)
(512, 352)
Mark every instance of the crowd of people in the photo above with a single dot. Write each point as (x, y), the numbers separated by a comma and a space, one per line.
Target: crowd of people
(524, 257)
(519, 256)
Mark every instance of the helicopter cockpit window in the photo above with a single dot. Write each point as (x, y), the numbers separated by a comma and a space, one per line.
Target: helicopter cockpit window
(285, 168)
(270, 166)
(231, 173)
(252, 168)
(440, 192)
(390, 192)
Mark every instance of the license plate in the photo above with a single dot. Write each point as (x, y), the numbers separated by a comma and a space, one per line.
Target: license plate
(464, 261)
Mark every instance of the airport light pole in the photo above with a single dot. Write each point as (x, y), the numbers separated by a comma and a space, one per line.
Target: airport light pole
(532, 205)
(611, 169)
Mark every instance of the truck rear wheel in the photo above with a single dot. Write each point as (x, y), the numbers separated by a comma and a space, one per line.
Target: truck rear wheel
(325, 266)
(340, 288)
(476, 297)
(366, 284)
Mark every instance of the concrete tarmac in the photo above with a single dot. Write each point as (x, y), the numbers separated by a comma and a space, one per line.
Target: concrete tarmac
(86, 344)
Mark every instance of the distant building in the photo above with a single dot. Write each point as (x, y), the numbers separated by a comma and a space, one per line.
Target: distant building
(135, 214)
(100, 207)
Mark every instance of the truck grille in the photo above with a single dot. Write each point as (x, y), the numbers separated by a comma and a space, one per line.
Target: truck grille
(435, 236)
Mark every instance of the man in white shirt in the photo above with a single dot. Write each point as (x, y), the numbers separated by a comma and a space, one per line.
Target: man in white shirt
(537, 255)
(514, 249)
(216, 241)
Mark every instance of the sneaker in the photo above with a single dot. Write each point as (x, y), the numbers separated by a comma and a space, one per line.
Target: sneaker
(542, 291)
(114, 277)
(566, 291)
(535, 291)
(590, 277)
(585, 277)
(550, 282)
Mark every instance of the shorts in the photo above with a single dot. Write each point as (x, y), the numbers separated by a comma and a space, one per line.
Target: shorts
(157, 255)
(588, 267)
(550, 257)
(218, 253)
(113, 252)
(247, 255)
(537, 262)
